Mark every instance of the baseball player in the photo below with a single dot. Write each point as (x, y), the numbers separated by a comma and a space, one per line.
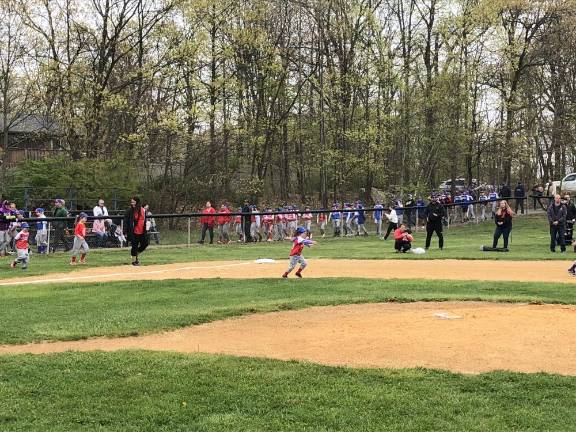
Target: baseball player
(296, 257)
(21, 238)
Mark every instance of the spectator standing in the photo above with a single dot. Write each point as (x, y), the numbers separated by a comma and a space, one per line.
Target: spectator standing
(505, 192)
(361, 220)
(151, 226)
(7, 216)
(410, 212)
(207, 222)
(223, 220)
(570, 219)
(246, 221)
(503, 219)
(321, 222)
(435, 212)
(557, 219)
(336, 218)
(135, 228)
(60, 227)
(392, 222)
(519, 195)
(41, 231)
(378, 210)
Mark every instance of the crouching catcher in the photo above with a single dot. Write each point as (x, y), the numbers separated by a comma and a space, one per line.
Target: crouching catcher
(296, 253)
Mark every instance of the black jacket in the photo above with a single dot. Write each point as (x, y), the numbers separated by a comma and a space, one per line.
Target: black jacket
(435, 212)
(130, 223)
(519, 192)
(557, 214)
(570, 211)
(505, 192)
(506, 218)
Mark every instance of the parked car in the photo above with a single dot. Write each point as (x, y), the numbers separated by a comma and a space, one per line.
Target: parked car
(567, 184)
(460, 184)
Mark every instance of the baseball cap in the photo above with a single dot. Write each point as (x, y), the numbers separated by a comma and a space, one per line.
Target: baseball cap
(83, 215)
(24, 225)
(39, 210)
(300, 230)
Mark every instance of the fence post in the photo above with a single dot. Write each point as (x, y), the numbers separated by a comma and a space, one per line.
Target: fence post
(189, 231)
(48, 240)
(122, 228)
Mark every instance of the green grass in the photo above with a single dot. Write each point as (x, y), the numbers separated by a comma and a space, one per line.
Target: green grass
(143, 391)
(41, 312)
(530, 241)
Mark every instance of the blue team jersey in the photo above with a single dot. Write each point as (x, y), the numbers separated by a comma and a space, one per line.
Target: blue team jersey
(378, 212)
(493, 196)
(336, 215)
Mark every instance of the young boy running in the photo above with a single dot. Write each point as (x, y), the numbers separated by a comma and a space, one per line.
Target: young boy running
(296, 253)
(80, 246)
(22, 247)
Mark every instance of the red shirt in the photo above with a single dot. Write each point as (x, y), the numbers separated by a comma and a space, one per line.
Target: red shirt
(139, 222)
(224, 219)
(267, 219)
(208, 220)
(22, 240)
(80, 230)
(402, 235)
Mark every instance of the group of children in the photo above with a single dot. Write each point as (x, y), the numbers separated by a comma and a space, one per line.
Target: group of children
(22, 240)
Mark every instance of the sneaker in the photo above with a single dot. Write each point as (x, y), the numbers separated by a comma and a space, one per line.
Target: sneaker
(571, 272)
(136, 263)
(299, 275)
(72, 263)
(13, 264)
(83, 262)
(285, 275)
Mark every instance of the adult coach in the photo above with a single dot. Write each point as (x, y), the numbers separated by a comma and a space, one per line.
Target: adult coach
(246, 221)
(207, 222)
(135, 229)
(435, 212)
(557, 219)
(60, 227)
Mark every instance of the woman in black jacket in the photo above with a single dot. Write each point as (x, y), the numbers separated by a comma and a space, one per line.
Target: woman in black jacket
(135, 229)
(503, 219)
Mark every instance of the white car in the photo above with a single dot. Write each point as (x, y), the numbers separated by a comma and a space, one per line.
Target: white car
(567, 184)
(460, 184)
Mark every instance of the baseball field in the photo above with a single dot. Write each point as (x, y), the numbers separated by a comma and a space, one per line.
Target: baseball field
(203, 338)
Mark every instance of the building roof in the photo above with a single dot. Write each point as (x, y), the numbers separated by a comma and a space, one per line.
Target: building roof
(31, 124)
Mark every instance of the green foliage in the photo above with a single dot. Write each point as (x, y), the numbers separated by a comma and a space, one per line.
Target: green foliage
(83, 180)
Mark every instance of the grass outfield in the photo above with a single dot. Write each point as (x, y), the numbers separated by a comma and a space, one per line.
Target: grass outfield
(530, 241)
(144, 391)
(56, 312)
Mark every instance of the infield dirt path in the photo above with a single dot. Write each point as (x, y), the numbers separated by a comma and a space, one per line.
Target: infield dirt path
(528, 271)
(467, 337)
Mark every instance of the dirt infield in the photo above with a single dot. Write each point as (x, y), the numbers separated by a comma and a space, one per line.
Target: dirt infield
(467, 337)
(528, 271)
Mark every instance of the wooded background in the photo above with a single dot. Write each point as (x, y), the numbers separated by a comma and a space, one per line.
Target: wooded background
(318, 98)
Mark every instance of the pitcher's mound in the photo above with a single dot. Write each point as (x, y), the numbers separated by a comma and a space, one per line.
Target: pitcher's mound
(467, 337)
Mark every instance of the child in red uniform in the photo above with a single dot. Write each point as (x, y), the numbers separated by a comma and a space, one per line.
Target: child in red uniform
(21, 239)
(403, 239)
(80, 246)
(296, 253)
(223, 224)
(268, 224)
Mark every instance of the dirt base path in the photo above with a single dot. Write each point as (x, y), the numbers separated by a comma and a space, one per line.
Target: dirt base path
(528, 271)
(467, 337)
